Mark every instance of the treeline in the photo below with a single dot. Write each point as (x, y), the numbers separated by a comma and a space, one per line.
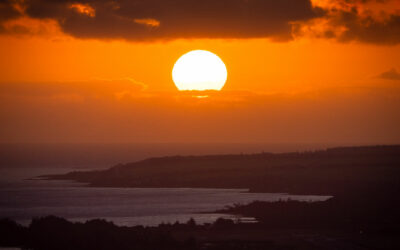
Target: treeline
(370, 222)
(54, 233)
(360, 213)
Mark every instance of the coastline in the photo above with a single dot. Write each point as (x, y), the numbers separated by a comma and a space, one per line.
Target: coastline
(331, 172)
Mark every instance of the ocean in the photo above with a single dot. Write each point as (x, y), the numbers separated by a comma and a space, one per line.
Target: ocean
(22, 199)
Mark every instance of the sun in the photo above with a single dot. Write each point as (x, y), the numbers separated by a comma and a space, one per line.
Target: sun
(199, 70)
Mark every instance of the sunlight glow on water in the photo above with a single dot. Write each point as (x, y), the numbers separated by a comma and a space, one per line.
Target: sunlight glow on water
(124, 206)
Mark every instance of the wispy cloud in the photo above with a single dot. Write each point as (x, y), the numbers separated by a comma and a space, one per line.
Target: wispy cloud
(391, 74)
(85, 9)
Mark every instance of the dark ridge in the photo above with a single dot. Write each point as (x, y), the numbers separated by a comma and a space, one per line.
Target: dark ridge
(292, 225)
(361, 212)
(334, 171)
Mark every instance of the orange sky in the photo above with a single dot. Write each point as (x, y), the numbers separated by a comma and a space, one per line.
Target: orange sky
(58, 87)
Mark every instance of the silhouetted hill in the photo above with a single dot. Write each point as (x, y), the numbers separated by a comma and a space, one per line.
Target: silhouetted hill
(334, 171)
(50, 233)
(360, 212)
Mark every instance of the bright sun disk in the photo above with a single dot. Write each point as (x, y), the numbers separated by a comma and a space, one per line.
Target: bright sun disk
(199, 70)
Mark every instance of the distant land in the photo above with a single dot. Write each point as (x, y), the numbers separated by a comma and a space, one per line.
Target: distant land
(103, 155)
(334, 171)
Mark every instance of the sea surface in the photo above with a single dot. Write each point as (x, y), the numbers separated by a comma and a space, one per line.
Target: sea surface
(23, 199)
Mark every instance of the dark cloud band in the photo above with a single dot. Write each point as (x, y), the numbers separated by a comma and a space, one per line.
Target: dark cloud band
(138, 20)
(176, 18)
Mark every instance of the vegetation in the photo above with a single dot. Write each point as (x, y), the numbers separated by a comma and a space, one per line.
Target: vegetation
(363, 213)
(57, 233)
(330, 224)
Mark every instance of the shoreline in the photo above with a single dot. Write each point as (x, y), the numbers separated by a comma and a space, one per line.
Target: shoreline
(326, 172)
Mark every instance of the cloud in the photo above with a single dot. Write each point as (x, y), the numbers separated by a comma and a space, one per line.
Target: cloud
(8, 10)
(85, 9)
(390, 75)
(37, 112)
(367, 29)
(96, 88)
(367, 21)
(174, 19)
(148, 21)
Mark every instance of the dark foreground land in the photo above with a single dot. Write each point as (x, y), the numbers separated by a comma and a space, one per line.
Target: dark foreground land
(332, 224)
(363, 214)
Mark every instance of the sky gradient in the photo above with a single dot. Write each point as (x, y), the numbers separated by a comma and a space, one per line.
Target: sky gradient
(299, 71)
